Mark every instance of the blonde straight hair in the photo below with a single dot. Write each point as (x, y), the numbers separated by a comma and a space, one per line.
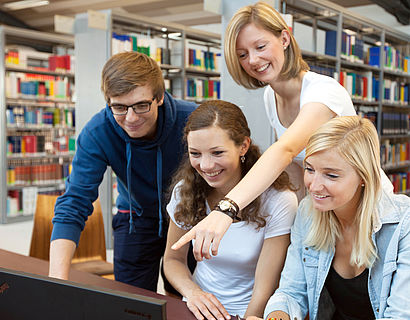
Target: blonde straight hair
(356, 141)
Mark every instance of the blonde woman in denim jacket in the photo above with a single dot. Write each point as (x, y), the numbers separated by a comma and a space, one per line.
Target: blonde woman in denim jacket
(351, 240)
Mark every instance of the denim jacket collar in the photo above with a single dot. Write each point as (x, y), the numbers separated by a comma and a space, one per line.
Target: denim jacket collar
(386, 212)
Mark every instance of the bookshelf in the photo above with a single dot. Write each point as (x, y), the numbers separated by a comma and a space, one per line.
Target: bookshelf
(37, 123)
(372, 61)
(189, 58)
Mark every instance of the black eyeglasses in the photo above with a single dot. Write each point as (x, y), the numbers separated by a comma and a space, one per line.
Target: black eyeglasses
(138, 108)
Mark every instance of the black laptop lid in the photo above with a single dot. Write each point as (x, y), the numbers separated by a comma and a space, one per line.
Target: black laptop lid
(27, 296)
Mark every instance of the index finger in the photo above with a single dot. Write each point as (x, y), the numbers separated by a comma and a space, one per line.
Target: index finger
(184, 239)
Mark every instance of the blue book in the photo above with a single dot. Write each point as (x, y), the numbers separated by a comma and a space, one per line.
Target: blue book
(374, 56)
(358, 49)
(330, 44)
(375, 88)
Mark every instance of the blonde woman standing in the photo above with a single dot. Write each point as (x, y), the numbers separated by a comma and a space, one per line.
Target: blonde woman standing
(260, 51)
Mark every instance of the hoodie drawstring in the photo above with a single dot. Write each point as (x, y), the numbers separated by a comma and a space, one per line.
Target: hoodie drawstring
(129, 156)
(159, 188)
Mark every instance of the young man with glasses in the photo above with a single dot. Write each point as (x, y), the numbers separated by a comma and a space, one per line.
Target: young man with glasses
(139, 135)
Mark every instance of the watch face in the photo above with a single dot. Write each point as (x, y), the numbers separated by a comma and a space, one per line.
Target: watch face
(224, 205)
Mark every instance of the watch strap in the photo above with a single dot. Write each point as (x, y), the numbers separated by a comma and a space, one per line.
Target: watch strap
(232, 211)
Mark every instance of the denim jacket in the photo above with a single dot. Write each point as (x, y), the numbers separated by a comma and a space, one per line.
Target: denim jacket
(306, 269)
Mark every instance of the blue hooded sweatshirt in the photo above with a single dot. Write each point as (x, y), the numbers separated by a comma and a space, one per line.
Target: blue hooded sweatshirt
(144, 168)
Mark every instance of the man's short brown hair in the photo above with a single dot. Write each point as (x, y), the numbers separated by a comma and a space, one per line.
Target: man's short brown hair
(125, 71)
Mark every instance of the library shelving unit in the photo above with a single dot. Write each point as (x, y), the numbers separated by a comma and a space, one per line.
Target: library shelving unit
(187, 56)
(372, 61)
(36, 118)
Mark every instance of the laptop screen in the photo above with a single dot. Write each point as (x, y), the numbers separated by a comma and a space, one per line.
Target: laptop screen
(28, 296)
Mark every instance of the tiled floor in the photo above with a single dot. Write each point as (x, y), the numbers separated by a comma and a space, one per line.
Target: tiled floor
(16, 237)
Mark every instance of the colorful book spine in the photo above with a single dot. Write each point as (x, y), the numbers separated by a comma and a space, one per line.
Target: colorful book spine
(400, 181)
(202, 89)
(36, 172)
(202, 60)
(37, 86)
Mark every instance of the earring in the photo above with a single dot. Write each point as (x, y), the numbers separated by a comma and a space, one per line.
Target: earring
(362, 185)
(284, 47)
(242, 159)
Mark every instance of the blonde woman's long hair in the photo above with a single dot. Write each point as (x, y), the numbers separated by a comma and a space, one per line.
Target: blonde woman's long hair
(356, 141)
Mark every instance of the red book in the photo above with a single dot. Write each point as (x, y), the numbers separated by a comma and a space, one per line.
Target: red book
(60, 63)
(52, 63)
(30, 142)
(341, 78)
(67, 62)
(18, 170)
(211, 89)
(191, 57)
(364, 87)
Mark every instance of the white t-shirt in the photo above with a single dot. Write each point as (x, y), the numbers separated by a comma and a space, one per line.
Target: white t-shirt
(230, 275)
(315, 88)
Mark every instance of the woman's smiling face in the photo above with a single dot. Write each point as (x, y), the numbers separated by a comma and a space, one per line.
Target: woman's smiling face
(260, 52)
(214, 155)
(333, 184)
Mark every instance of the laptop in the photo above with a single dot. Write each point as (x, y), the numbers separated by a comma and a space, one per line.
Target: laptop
(27, 296)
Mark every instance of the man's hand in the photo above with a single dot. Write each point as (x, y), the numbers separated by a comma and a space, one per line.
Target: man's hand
(209, 231)
(205, 305)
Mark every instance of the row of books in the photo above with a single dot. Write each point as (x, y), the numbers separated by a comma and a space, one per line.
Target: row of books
(37, 172)
(359, 85)
(392, 123)
(202, 59)
(363, 85)
(400, 181)
(23, 202)
(60, 63)
(203, 89)
(26, 115)
(393, 59)
(124, 42)
(37, 86)
(22, 58)
(393, 154)
(396, 92)
(395, 123)
(352, 49)
(157, 49)
(327, 71)
(143, 44)
(39, 144)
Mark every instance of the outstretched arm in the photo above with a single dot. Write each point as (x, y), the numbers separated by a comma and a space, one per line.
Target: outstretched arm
(265, 171)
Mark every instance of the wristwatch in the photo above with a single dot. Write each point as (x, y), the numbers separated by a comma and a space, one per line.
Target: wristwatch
(229, 207)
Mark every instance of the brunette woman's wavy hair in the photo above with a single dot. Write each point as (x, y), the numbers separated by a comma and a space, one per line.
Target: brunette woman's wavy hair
(194, 190)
